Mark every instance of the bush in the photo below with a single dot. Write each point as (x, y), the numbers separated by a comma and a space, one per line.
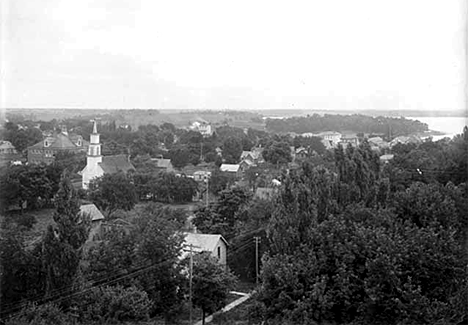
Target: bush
(114, 304)
(47, 314)
(25, 220)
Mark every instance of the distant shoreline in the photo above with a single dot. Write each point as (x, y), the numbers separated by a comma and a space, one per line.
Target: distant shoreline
(267, 112)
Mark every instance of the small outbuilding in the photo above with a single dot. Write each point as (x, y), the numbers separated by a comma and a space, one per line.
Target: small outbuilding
(215, 244)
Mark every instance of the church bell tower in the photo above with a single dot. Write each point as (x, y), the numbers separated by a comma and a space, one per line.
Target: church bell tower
(94, 156)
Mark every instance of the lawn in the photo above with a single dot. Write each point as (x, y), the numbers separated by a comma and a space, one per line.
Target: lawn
(43, 218)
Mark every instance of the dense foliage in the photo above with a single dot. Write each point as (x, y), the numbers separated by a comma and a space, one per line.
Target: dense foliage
(356, 123)
(145, 255)
(356, 246)
(111, 192)
(211, 283)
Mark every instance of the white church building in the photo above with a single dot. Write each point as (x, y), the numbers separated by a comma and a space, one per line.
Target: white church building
(98, 165)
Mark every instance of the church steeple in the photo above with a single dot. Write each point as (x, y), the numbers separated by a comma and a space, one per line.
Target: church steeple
(94, 149)
(93, 158)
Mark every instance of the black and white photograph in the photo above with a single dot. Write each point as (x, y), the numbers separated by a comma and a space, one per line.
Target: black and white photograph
(233, 162)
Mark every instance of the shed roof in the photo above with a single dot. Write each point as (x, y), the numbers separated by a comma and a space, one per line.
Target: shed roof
(93, 212)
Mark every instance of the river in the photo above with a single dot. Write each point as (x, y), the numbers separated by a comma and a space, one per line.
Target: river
(451, 126)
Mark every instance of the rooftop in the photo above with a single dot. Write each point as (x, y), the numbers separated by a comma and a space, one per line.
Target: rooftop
(203, 242)
(114, 164)
(93, 212)
(229, 168)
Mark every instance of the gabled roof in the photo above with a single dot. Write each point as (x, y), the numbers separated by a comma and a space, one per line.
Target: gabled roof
(60, 141)
(233, 168)
(248, 162)
(6, 145)
(386, 157)
(301, 149)
(375, 140)
(114, 164)
(161, 162)
(203, 242)
(93, 212)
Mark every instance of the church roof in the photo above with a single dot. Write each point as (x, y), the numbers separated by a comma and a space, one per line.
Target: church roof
(114, 164)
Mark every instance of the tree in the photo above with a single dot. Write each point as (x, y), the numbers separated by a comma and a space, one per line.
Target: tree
(222, 216)
(150, 244)
(277, 153)
(34, 185)
(180, 156)
(211, 284)
(70, 161)
(20, 274)
(232, 150)
(62, 244)
(219, 181)
(114, 304)
(111, 192)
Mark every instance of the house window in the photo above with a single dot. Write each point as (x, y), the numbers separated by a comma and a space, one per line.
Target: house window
(219, 252)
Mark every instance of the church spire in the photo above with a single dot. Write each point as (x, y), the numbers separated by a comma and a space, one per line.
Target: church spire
(94, 143)
(94, 126)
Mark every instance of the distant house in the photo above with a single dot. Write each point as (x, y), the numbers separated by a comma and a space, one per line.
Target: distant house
(7, 148)
(203, 127)
(265, 193)
(254, 155)
(246, 164)
(8, 154)
(353, 141)
(377, 143)
(96, 219)
(163, 164)
(98, 165)
(386, 158)
(405, 140)
(330, 139)
(215, 244)
(201, 175)
(233, 169)
(301, 153)
(44, 151)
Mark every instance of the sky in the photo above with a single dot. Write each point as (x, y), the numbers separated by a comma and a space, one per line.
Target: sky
(334, 54)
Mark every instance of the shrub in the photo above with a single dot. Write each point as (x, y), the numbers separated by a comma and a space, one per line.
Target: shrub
(47, 314)
(114, 304)
(25, 220)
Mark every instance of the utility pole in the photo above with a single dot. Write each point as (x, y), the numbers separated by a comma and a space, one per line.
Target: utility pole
(257, 240)
(190, 276)
(207, 189)
(190, 282)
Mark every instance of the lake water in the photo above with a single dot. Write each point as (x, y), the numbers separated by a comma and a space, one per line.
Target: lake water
(451, 126)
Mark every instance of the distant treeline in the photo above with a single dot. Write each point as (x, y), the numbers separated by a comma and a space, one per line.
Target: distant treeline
(357, 123)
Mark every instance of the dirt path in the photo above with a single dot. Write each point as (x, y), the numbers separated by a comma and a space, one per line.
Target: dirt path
(228, 307)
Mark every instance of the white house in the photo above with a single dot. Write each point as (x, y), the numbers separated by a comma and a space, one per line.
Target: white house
(98, 165)
(215, 244)
(330, 139)
(203, 127)
(231, 168)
